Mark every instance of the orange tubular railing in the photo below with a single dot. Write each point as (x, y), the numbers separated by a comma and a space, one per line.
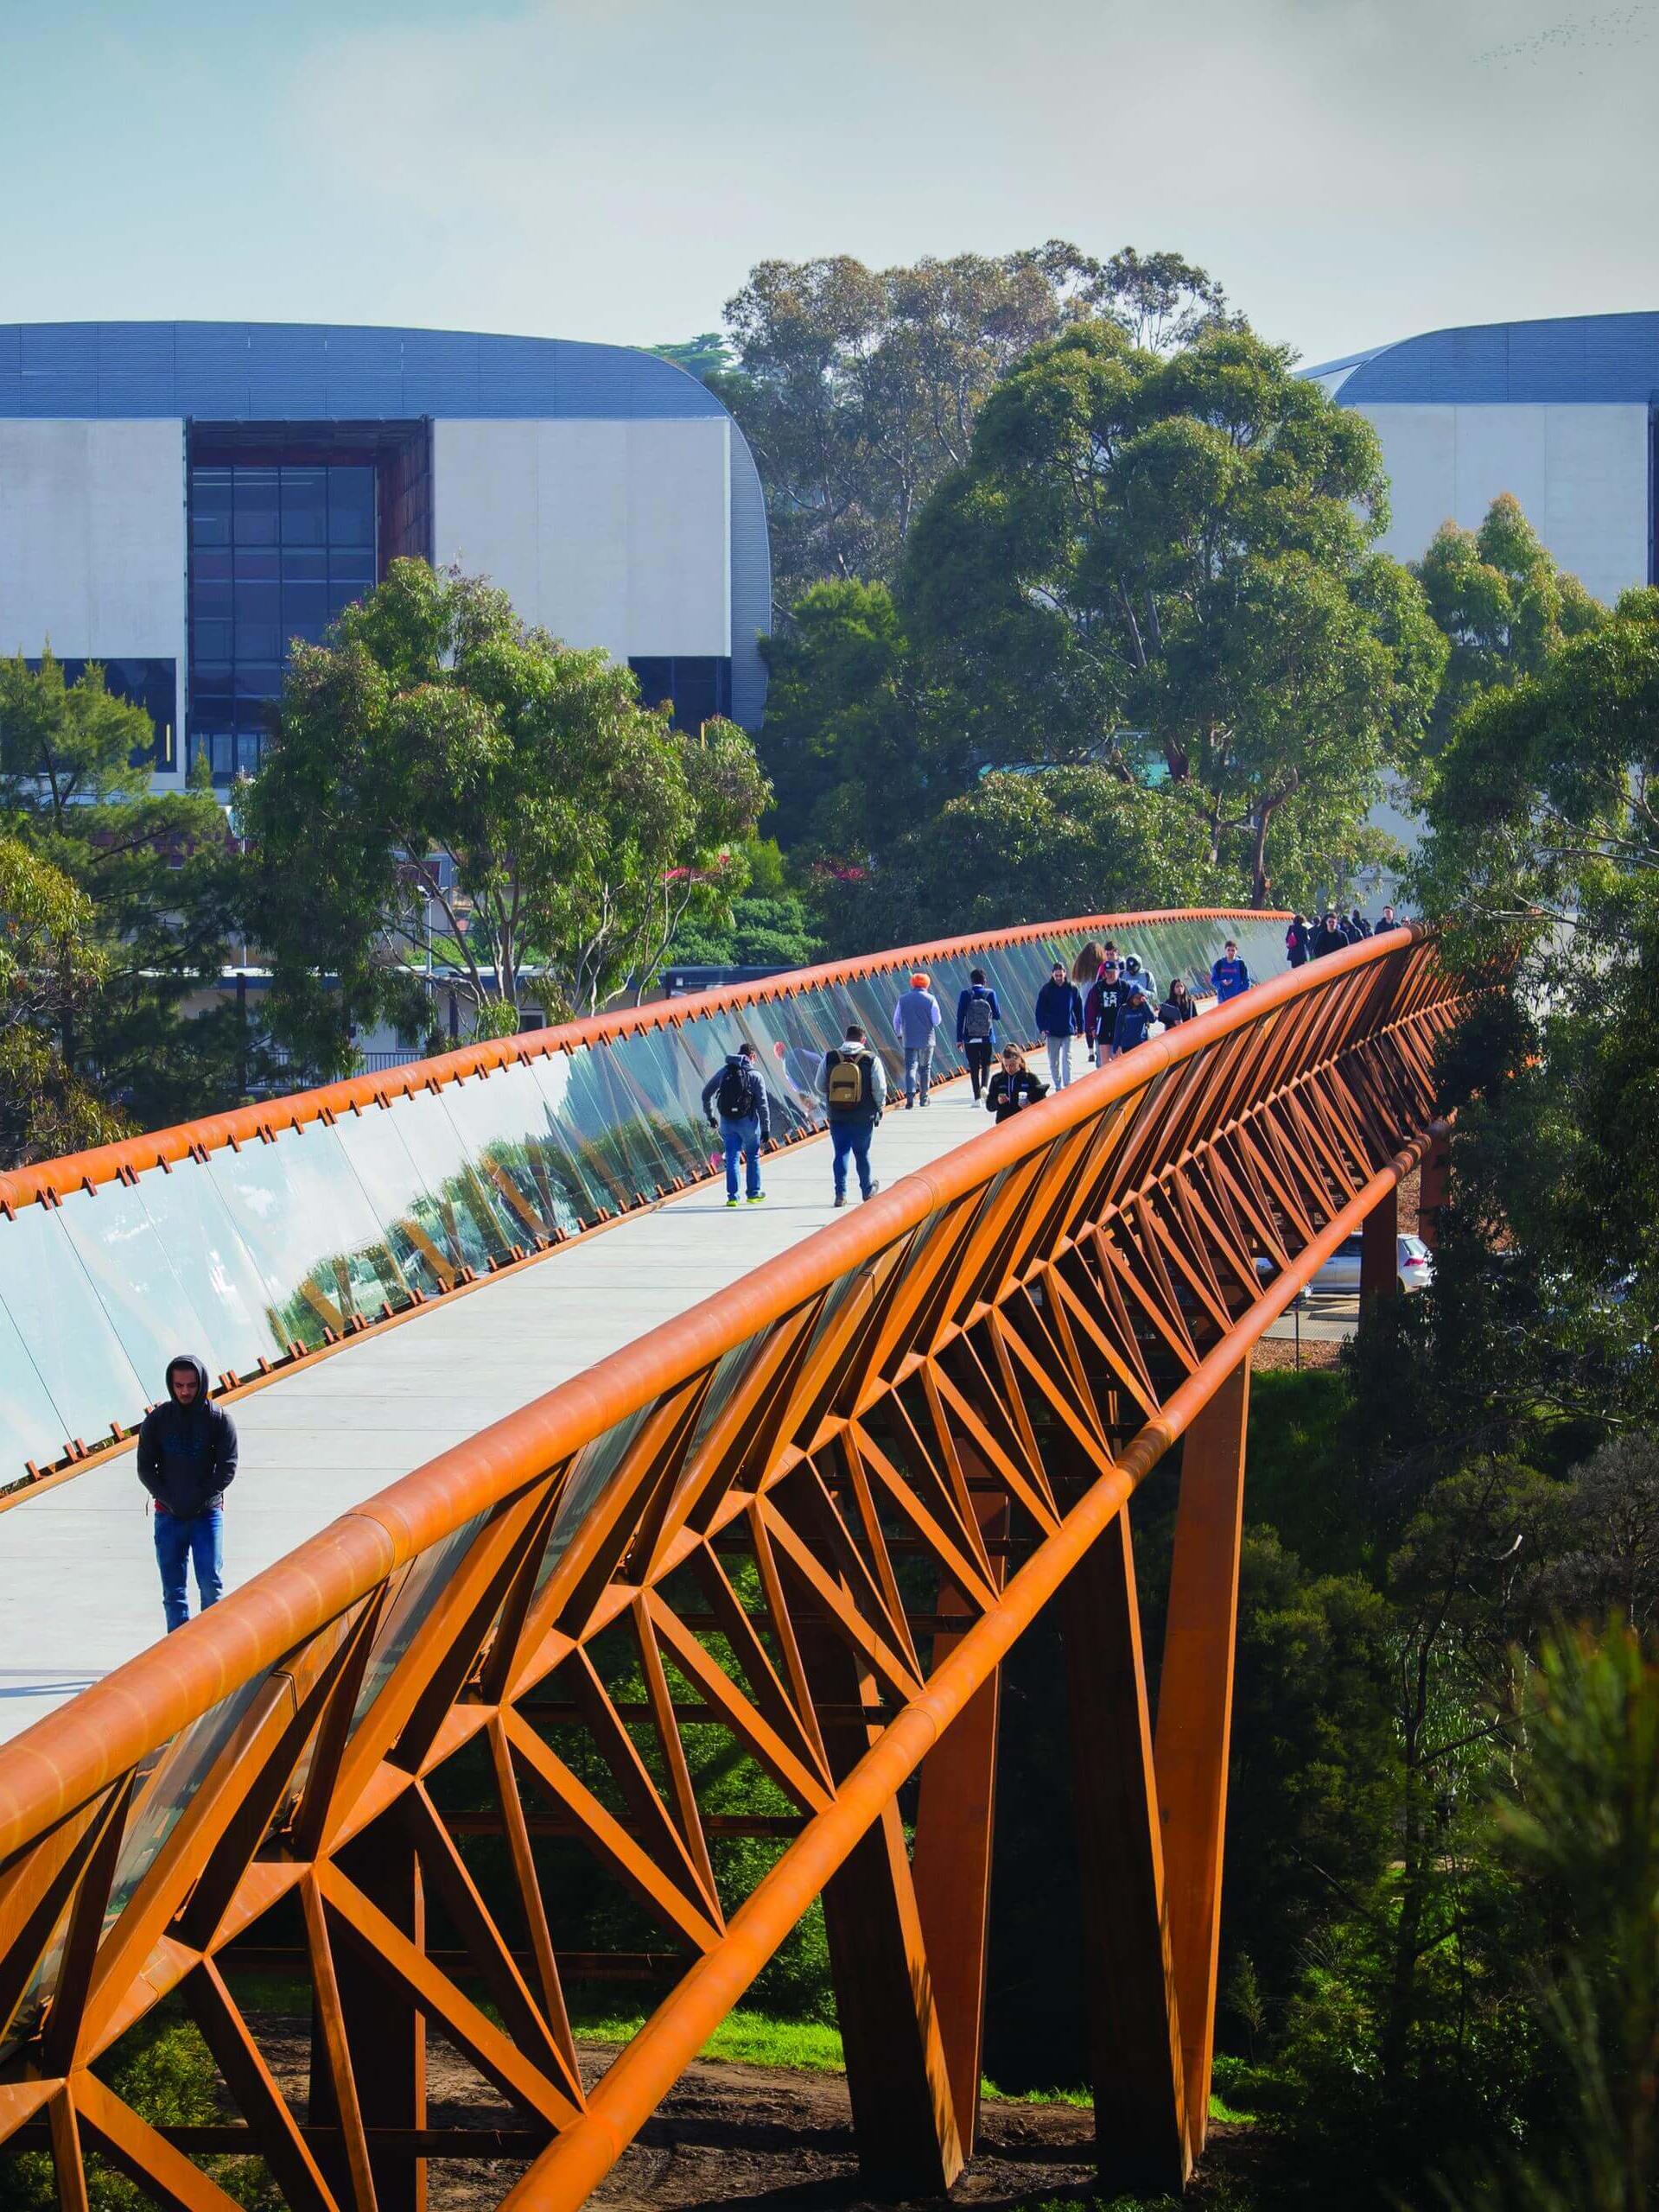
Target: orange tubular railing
(977, 1368)
(571, 1127)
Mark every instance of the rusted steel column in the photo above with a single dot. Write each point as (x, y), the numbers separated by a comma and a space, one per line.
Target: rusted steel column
(1431, 1190)
(904, 2114)
(1379, 1258)
(951, 1861)
(1195, 1709)
(1135, 2033)
(386, 2035)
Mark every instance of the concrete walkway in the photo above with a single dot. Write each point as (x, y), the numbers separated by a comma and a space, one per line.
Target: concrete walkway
(81, 1588)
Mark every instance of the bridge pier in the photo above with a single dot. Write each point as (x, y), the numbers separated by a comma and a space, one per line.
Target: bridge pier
(1135, 2038)
(1379, 1256)
(1195, 1711)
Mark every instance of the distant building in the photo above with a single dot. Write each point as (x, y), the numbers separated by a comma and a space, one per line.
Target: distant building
(181, 500)
(1560, 413)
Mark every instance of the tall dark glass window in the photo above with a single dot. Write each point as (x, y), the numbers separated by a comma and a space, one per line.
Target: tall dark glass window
(697, 686)
(278, 546)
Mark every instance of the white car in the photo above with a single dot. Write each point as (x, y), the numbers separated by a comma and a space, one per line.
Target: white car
(1339, 1276)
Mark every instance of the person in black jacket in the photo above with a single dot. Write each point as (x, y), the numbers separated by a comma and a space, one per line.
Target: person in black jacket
(1134, 1021)
(1013, 1086)
(745, 1118)
(1296, 941)
(1329, 937)
(186, 1461)
(1179, 1005)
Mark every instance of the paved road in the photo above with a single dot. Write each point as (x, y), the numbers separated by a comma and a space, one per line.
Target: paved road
(1324, 1320)
(81, 1589)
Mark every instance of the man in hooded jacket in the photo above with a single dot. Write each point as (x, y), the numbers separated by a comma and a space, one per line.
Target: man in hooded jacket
(186, 1461)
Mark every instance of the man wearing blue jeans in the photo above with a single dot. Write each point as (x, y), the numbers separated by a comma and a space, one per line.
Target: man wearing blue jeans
(186, 1461)
(854, 1091)
(745, 1118)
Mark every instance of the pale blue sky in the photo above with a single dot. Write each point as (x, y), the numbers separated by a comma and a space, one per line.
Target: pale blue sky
(1353, 170)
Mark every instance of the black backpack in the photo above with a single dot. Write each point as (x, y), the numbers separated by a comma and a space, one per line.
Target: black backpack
(977, 1023)
(735, 1097)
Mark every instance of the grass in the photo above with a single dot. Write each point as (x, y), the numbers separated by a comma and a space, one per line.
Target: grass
(811, 2046)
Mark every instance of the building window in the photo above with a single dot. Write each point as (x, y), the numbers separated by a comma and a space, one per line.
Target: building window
(697, 686)
(290, 523)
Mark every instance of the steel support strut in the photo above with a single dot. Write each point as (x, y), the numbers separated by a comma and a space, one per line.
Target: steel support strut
(1195, 1702)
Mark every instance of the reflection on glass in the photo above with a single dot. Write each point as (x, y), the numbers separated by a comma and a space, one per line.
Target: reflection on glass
(207, 1256)
(30, 1426)
(302, 1215)
(152, 1313)
(173, 1782)
(76, 1353)
(422, 1581)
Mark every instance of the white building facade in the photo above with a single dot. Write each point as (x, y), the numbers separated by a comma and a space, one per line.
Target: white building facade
(179, 501)
(1559, 413)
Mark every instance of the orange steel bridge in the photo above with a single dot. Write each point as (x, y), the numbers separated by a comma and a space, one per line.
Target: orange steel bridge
(790, 1536)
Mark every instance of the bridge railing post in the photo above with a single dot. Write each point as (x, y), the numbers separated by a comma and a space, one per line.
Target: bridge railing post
(1379, 1253)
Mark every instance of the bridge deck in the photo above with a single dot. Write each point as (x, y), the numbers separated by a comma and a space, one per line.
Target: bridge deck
(81, 1592)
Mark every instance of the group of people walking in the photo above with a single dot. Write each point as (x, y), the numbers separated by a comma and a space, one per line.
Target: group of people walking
(1122, 1007)
(1306, 940)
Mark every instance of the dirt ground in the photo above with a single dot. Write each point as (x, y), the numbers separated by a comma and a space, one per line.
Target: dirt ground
(762, 2139)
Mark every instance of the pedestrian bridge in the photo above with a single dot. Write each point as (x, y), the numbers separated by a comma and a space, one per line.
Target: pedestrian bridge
(672, 1509)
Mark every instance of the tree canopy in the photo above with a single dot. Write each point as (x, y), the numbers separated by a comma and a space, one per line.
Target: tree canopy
(858, 388)
(161, 878)
(455, 800)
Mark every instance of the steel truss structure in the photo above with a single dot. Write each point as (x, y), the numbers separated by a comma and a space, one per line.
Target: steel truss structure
(789, 1537)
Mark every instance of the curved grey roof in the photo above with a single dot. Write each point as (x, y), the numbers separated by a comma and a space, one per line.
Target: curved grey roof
(308, 372)
(311, 372)
(1578, 360)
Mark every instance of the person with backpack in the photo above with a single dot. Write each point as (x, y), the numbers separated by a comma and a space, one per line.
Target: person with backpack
(1131, 973)
(1296, 938)
(1134, 1021)
(1229, 978)
(1106, 994)
(1058, 1020)
(854, 1091)
(1179, 1005)
(915, 1017)
(977, 1015)
(1013, 1086)
(186, 1461)
(744, 1121)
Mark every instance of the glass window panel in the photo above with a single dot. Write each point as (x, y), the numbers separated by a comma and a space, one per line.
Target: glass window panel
(502, 1119)
(347, 565)
(305, 507)
(340, 596)
(148, 1306)
(65, 1330)
(256, 506)
(640, 1159)
(223, 749)
(571, 1120)
(210, 506)
(258, 680)
(249, 751)
(453, 1212)
(303, 1216)
(212, 1261)
(423, 1581)
(597, 1120)
(662, 1078)
(351, 506)
(257, 564)
(210, 641)
(305, 610)
(30, 1426)
(210, 567)
(183, 1769)
(396, 1192)
(258, 640)
(304, 568)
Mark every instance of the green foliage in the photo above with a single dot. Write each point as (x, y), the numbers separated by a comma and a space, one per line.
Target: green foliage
(162, 881)
(772, 925)
(1505, 607)
(707, 356)
(1173, 552)
(50, 966)
(858, 389)
(454, 797)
